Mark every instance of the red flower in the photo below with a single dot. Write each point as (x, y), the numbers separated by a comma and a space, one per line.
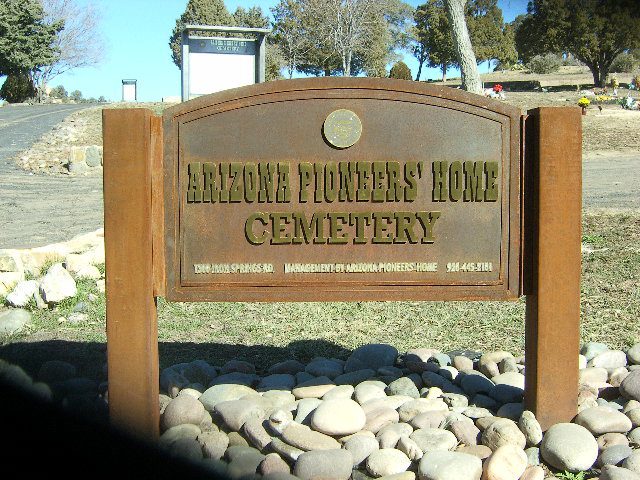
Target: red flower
(497, 88)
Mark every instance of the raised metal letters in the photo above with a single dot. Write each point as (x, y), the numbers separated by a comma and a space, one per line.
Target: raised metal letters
(276, 195)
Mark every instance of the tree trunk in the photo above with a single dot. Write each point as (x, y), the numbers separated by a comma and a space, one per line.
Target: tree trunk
(347, 64)
(420, 63)
(464, 50)
(444, 72)
(598, 81)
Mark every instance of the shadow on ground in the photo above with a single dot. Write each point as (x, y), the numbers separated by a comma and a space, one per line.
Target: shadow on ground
(90, 357)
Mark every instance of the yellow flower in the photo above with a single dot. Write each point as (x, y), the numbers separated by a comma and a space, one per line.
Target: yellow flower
(583, 102)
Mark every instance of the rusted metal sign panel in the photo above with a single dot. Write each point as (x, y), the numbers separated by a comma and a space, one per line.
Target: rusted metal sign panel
(342, 189)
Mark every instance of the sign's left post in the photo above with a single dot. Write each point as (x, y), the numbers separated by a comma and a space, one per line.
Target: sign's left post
(130, 139)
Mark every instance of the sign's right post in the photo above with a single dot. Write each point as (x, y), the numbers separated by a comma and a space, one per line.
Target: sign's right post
(553, 205)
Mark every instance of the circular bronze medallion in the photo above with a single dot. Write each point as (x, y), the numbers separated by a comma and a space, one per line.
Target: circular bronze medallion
(342, 128)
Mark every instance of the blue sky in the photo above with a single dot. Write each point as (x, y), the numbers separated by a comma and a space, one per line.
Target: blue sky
(137, 33)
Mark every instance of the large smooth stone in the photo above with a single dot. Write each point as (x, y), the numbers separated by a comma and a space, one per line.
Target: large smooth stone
(182, 409)
(630, 386)
(324, 464)
(568, 446)
(430, 439)
(372, 356)
(599, 420)
(223, 393)
(304, 438)
(610, 472)
(338, 417)
(387, 461)
(503, 432)
(440, 465)
(360, 447)
(508, 462)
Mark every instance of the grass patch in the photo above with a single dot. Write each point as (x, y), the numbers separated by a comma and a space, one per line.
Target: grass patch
(265, 333)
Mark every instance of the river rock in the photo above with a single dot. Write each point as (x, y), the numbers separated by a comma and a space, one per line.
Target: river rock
(609, 359)
(480, 451)
(57, 284)
(369, 390)
(338, 417)
(355, 377)
(599, 420)
(568, 446)
(277, 381)
(465, 431)
(462, 363)
(508, 388)
(632, 462)
(182, 409)
(614, 455)
(273, 464)
(410, 448)
(439, 465)
(256, 434)
(324, 367)
(290, 367)
(380, 418)
(507, 462)
(420, 405)
(324, 464)
(610, 472)
(403, 386)
(430, 439)
(591, 349)
(285, 450)
(223, 393)
(387, 461)
(213, 444)
(22, 293)
(235, 413)
(431, 419)
(533, 472)
(13, 321)
(243, 461)
(306, 407)
(371, 356)
(633, 354)
(630, 386)
(610, 439)
(314, 388)
(179, 431)
(530, 427)
(360, 447)
(304, 438)
(341, 391)
(503, 432)
(474, 383)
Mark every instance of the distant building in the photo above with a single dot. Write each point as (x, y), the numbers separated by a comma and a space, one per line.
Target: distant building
(129, 90)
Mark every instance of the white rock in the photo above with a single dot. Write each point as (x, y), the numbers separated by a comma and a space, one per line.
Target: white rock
(508, 462)
(387, 461)
(22, 293)
(440, 465)
(57, 285)
(338, 417)
(567, 446)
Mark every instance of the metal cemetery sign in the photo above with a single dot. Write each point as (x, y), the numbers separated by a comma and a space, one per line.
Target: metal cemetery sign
(342, 190)
(214, 63)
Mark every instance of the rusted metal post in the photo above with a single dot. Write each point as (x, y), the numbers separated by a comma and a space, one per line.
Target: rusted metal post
(553, 205)
(132, 331)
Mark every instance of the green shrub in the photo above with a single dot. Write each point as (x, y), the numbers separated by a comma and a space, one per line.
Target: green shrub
(625, 62)
(17, 88)
(401, 71)
(548, 63)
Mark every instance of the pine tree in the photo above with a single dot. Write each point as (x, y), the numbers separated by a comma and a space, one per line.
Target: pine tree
(25, 38)
(198, 12)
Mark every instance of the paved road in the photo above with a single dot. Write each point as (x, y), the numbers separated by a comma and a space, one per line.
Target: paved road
(36, 209)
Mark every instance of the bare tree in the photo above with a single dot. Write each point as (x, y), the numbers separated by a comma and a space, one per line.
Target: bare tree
(344, 24)
(468, 66)
(79, 44)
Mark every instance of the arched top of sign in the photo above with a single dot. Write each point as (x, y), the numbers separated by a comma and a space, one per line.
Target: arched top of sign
(414, 193)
